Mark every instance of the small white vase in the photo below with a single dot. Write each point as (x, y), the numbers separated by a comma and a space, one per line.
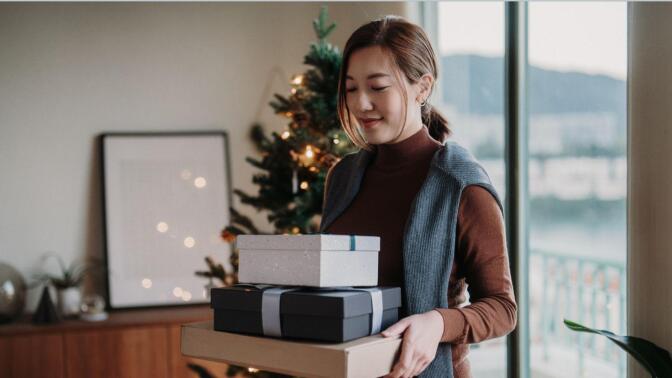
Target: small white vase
(206, 290)
(69, 300)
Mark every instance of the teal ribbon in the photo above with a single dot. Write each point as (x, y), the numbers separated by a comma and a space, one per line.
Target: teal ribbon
(353, 243)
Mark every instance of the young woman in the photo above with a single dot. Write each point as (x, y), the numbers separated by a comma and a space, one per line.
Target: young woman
(438, 216)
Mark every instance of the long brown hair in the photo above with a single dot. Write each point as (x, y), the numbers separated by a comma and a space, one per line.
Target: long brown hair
(409, 48)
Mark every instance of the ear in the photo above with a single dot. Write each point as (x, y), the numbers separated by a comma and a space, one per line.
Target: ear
(424, 86)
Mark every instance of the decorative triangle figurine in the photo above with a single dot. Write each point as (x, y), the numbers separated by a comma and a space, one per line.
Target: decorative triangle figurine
(46, 311)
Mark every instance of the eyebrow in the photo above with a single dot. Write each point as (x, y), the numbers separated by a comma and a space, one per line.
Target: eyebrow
(372, 76)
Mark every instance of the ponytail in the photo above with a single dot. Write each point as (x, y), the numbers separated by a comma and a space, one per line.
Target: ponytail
(437, 124)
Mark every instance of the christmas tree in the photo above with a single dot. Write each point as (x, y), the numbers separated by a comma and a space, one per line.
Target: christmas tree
(294, 163)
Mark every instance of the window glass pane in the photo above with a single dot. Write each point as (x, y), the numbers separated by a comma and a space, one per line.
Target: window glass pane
(470, 93)
(577, 185)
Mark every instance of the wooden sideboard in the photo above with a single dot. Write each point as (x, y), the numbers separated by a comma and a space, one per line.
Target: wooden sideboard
(131, 343)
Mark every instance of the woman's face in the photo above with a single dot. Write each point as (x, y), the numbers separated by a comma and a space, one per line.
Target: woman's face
(373, 94)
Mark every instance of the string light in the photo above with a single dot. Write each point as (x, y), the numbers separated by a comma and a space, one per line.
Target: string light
(289, 114)
(162, 227)
(337, 141)
(304, 185)
(309, 152)
(313, 169)
(297, 80)
(200, 182)
(293, 90)
(306, 158)
(252, 370)
(285, 135)
(295, 230)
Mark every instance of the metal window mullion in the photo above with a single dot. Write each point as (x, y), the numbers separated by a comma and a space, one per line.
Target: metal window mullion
(429, 17)
(516, 212)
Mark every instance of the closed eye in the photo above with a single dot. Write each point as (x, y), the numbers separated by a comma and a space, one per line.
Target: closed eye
(378, 89)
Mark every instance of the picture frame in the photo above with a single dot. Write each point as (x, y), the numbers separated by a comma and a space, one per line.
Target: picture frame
(166, 198)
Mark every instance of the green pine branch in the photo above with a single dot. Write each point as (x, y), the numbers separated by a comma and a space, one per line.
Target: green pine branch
(322, 30)
(313, 121)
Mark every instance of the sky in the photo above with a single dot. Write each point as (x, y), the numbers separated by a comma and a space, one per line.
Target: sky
(589, 37)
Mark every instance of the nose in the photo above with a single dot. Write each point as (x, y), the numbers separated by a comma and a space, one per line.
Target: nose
(363, 102)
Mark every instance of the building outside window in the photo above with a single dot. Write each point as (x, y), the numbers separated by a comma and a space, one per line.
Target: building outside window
(576, 90)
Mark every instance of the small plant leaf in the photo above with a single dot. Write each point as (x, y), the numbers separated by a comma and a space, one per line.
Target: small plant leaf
(654, 359)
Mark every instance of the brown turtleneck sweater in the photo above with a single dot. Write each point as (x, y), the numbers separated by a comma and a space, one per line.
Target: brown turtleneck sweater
(481, 263)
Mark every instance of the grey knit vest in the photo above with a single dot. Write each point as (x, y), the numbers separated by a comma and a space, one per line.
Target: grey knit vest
(430, 231)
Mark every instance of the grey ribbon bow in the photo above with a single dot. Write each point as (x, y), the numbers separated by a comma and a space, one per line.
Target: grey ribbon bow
(377, 308)
(376, 296)
(270, 310)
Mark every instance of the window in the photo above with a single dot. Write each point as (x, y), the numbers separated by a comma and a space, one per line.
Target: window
(576, 90)
(577, 185)
(470, 90)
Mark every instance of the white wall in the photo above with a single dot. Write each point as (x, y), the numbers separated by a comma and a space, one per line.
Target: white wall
(650, 176)
(71, 71)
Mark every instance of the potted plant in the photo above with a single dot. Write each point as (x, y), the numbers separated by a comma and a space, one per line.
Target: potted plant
(654, 359)
(67, 283)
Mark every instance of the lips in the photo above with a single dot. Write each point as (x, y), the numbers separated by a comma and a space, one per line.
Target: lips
(370, 122)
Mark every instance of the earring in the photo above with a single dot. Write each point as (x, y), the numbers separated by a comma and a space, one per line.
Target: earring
(423, 103)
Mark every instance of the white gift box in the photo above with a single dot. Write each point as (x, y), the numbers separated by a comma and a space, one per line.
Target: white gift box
(322, 260)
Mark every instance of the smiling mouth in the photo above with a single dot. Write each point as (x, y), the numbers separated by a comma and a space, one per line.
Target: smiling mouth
(368, 123)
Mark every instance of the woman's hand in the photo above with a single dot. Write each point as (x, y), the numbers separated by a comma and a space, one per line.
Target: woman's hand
(422, 334)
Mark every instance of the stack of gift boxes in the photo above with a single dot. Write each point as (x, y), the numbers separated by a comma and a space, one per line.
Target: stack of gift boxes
(317, 287)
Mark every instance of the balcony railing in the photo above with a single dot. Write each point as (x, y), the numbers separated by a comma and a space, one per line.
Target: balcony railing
(588, 290)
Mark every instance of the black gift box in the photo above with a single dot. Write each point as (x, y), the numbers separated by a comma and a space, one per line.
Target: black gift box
(325, 315)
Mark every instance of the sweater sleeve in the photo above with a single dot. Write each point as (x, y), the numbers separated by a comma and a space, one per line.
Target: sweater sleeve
(484, 263)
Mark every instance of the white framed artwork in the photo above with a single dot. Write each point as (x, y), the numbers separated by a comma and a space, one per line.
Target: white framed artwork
(166, 198)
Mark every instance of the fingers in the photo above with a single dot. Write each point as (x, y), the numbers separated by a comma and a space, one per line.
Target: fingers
(405, 362)
(417, 366)
(412, 371)
(397, 328)
(417, 351)
(420, 367)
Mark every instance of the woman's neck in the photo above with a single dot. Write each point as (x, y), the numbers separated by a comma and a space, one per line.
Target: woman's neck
(416, 147)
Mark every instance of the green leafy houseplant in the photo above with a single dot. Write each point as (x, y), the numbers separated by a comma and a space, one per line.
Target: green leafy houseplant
(654, 359)
(70, 276)
(67, 282)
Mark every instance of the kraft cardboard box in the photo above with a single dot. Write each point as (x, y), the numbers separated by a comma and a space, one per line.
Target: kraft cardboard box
(371, 356)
